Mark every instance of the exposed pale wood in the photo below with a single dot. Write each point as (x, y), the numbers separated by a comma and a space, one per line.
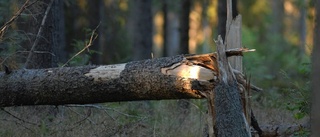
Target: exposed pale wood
(231, 115)
(140, 80)
(177, 77)
(233, 40)
(230, 119)
(106, 72)
(190, 71)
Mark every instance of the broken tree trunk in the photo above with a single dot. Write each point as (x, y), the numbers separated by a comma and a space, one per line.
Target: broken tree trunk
(177, 77)
(228, 110)
(230, 119)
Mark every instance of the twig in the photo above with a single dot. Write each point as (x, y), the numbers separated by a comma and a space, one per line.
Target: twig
(104, 108)
(241, 80)
(18, 117)
(39, 33)
(18, 123)
(238, 51)
(8, 23)
(75, 124)
(92, 38)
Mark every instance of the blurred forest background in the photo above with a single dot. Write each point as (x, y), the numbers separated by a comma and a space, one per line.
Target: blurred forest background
(281, 31)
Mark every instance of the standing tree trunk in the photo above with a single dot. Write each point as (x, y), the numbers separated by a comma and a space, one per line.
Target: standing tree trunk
(277, 16)
(47, 48)
(302, 25)
(183, 104)
(93, 14)
(58, 33)
(230, 120)
(184, 26)
(41, 51)
(141, 17)
(113, 39)
(315, 113)
(142, 31)
(164, 28)
(222, 16)
(232, 115)
(171, 32)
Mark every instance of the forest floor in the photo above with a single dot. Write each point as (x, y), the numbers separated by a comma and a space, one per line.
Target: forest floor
(151, 118)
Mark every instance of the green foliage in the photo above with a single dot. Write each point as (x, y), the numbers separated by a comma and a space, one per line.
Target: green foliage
(81, 59)
(78, 45)
(302, 133)
(279, 67)
(44, 131)
(299, 95)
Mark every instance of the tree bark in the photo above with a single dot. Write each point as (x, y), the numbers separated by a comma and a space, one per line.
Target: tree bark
(58, 34)
(277, 26)
(171, 29)
(41, 51)
(143, 80)
(164, 28)
(177, 77)
(303, 26)
(230, 120)
(222, 16)
(94, 18)
(315, 112)
(184, 105)
(142, 34)
(184, 26)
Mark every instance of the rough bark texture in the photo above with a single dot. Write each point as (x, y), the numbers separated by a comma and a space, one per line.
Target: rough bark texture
(230, 120)
(315, 113)
(233, 40)
(141, 80)
(184, 105)
(177, 77)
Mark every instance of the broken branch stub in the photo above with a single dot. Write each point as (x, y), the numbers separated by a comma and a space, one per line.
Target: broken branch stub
(230, 118)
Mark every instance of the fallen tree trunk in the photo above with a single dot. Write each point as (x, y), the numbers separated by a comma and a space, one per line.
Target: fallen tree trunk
(140, 80)
(177, 77)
